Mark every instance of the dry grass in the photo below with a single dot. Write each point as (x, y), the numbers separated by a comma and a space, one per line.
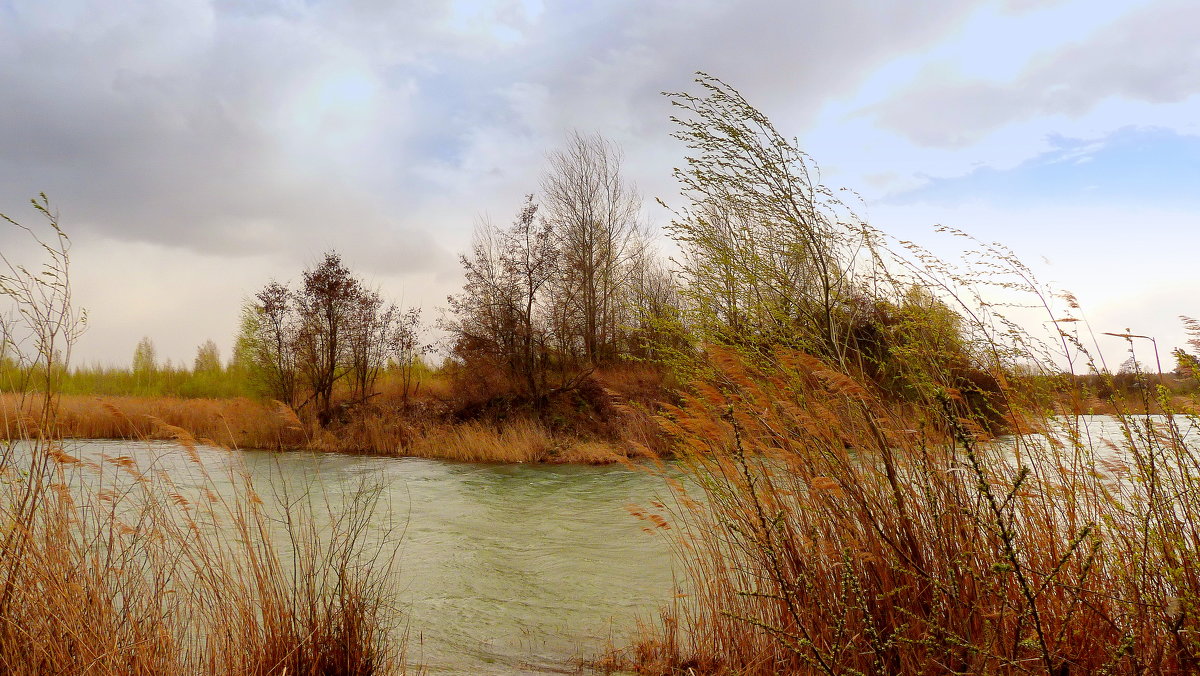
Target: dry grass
(240, 423)
(840, 532)
(111, 568)
(520, 441)
(386, 429)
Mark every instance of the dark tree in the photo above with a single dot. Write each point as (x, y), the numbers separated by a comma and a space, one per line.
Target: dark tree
(500, 317)
(368, 332)
(325, 304)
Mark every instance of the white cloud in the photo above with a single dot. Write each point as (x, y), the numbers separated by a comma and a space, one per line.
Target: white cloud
(1150, 55)
(247, 137)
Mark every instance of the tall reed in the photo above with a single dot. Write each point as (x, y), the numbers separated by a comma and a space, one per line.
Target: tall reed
(112, 565)
(842, 531)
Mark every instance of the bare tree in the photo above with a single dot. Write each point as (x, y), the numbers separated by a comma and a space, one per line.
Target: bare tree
(406, 348)
(325, 305)
(307, 341)
(270, 330)
(484, 313)
(500, 315)
(371, 324)
(594, 215)
(531, 259)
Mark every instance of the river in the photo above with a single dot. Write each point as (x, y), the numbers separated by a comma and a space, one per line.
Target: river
(502, 568)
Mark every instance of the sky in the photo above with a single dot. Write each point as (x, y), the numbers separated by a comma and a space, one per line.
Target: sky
(197, 149)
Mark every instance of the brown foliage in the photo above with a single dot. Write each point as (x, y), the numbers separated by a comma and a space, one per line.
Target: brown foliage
(842, 532)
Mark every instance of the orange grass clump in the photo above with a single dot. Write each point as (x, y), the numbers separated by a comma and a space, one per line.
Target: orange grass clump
(240, 423)
(243, 423)
(109, 568)
(114, 566)
(844, 532)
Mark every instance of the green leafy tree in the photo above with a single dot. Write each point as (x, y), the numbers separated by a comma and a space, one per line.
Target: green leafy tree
(769, 253)
(145, 362)
(208, 359)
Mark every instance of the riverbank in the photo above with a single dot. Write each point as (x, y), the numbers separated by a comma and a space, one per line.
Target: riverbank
(604, 423)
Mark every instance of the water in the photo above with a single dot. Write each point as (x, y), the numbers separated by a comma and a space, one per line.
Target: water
(503, 568)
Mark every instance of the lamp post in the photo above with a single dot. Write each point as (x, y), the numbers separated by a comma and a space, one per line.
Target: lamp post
(1130, 336)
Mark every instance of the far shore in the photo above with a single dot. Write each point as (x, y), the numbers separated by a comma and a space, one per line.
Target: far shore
(385, 430)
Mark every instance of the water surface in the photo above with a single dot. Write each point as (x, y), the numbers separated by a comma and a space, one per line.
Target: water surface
(502, 568)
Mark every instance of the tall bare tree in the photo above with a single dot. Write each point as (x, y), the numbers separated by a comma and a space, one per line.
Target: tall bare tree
(484, 313)
(500, 313)
(594, 214)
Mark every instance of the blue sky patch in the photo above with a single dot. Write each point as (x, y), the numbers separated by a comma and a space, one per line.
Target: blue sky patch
(1133, 165)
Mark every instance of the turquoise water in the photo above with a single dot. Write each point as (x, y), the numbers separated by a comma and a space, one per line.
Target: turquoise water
(501, 569)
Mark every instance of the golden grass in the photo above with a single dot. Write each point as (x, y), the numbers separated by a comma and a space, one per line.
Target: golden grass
(520, 441)
(244, 423)
(842, 532)
(110, 566)
(241, 423)
(107, 568)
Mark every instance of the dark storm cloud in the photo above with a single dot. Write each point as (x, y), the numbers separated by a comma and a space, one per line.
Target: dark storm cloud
(238, 127)
(1152, 55)
(170, 126)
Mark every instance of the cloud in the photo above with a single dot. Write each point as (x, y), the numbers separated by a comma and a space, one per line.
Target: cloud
(254, 135)
(235, 125)
(196, 127)
(1150, 55)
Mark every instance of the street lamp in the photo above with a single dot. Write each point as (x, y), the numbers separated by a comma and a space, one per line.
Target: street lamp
(1130, 336)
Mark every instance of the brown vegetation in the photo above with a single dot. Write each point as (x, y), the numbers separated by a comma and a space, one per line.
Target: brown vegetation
(236, 423)
(108, 568)
(615, 423)
(847, 504)
(111, 568)
(841, 531)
